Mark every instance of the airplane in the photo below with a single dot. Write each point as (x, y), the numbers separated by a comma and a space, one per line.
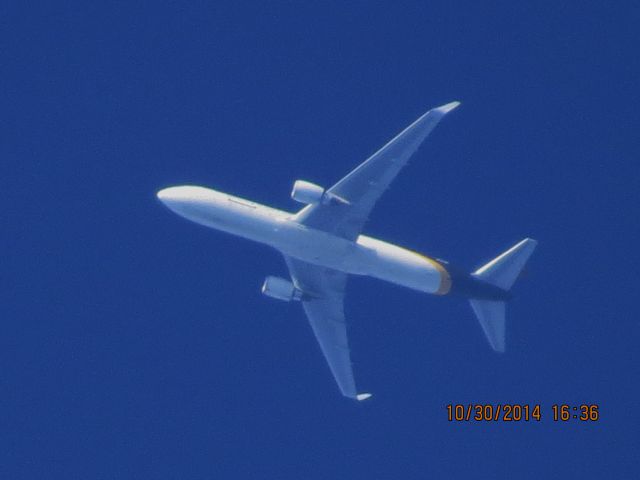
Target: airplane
(323, 243)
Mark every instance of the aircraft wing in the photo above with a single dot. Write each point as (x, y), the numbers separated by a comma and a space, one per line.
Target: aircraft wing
(358, 192)
(323, 295)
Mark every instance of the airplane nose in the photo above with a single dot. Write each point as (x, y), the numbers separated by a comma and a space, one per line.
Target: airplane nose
(186, 200)
(167, 194)
(174, 198)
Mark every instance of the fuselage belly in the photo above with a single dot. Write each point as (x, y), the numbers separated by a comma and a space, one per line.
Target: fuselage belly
(365, 256)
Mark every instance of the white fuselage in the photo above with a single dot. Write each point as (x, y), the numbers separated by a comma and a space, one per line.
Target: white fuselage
(365, 256)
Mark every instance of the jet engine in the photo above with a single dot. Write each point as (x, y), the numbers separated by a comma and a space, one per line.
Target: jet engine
(281, 289)
(307, 192)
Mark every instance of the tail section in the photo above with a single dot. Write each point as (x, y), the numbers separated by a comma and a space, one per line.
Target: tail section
(501, 272)
(491, 315)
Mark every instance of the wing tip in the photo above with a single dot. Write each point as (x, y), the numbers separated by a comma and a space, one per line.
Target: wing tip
(447, 107)
(363, 396)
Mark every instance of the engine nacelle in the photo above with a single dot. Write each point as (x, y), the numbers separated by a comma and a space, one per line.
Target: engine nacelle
(307, 192)
(276, 287)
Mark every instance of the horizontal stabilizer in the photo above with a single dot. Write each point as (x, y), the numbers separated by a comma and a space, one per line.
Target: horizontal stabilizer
(491, 315)
(503, 271)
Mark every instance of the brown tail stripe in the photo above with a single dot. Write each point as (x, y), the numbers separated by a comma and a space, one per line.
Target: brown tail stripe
(445, 278)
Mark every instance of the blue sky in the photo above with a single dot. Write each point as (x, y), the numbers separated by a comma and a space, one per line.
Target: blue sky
(137, 345)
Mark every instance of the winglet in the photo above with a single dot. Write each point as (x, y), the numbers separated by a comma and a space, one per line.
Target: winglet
(362, 396)
(447, 108)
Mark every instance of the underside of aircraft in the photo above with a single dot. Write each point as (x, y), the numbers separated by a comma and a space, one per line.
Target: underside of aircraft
(323, 244)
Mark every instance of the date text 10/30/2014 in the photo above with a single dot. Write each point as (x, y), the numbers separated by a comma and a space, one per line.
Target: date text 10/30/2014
(515, 412)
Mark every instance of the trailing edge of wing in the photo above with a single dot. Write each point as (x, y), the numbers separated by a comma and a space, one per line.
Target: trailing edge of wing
(325, 312)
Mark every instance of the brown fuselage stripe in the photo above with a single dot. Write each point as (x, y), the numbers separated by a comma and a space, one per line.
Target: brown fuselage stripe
(445, 278)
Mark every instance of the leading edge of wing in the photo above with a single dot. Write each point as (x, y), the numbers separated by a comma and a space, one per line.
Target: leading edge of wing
(408, 140)
(364, 185)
